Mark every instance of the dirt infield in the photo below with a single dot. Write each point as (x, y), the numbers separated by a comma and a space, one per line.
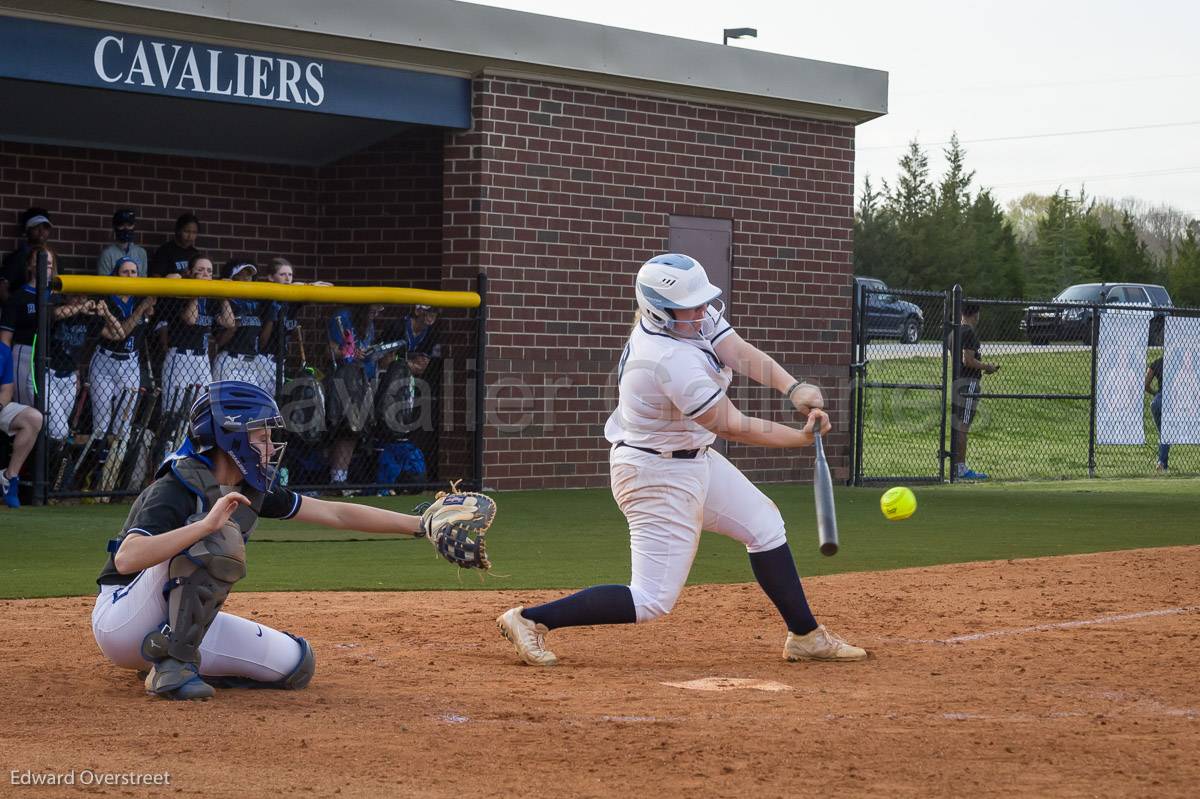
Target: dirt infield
(418, 695)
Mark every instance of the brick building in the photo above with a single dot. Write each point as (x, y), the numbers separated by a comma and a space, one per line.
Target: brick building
(436, 140)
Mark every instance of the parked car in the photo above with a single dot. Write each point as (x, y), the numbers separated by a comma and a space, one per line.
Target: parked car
(885, 316)
(1043, 323)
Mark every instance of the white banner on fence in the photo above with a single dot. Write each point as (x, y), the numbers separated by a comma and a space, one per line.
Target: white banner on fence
(1181, 381)
(1120, 378)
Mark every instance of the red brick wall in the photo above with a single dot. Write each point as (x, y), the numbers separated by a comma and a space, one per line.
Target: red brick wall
(373, 217)
(381, 213)
(559, 193)
(258, 209)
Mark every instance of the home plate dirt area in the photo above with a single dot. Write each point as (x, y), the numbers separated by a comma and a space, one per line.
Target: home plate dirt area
(1071, 676)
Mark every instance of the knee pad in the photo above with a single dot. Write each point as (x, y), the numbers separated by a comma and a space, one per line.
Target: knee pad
(302, 675)
(200, 580)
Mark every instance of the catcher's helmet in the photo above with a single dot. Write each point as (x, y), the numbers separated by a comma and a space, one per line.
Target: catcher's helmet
(674, 282)
(223, 417)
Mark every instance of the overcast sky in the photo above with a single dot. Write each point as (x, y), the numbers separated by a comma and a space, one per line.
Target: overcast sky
(1013, 70)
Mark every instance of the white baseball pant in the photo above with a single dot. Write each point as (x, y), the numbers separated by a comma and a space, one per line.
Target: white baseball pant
(110, 376)
(667, 503)
(180, 370)
(230, 366)
(60, 403)
(233, 647)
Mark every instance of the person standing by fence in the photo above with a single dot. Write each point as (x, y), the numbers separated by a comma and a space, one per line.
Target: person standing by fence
(1154, 374)
(965, 388)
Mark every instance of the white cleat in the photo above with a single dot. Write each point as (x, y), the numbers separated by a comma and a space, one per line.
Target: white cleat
(820, 644)
(529, 638)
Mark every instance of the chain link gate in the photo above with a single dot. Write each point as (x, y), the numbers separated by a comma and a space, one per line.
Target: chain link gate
(899, 369)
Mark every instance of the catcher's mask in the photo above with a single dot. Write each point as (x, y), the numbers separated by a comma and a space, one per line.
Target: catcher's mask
(228, 417)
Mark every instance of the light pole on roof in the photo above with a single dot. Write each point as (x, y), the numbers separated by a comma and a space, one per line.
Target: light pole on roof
(739, 33)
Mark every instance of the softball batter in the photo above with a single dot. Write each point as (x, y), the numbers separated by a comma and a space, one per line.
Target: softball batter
(670, 484)
(182, 548)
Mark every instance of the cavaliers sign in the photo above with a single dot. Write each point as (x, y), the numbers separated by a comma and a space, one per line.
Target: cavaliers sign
(137, 62)
(208, 70)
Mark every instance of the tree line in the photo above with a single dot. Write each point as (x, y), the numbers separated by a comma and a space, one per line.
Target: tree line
(918, 234)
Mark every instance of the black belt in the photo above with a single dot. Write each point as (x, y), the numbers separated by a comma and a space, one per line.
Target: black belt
(62, 372)
(686, 454)
(241, 356)
(179, 351)
(116, 356)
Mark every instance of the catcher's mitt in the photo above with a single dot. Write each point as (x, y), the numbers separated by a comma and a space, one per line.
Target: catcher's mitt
(456, 524)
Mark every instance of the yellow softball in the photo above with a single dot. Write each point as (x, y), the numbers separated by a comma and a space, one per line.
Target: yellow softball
(898, 503)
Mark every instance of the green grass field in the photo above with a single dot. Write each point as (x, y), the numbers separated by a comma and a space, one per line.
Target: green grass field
(1010, 439)
(569, 539)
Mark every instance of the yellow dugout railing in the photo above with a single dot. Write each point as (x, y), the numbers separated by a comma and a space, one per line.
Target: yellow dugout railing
(262, 290)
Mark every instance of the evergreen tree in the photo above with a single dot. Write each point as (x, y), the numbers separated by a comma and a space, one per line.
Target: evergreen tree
(1059, 257)
(954, 192)
(998, 269)
(1131, 254)
(909, 204)
(1183, 269)
(874, 238)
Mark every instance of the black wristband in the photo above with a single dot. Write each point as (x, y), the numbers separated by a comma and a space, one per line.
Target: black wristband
(794, 386)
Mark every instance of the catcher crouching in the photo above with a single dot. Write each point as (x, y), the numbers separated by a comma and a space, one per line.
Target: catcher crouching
(182, 549)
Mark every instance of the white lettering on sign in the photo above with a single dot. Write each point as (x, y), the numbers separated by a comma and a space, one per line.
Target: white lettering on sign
(164, 65)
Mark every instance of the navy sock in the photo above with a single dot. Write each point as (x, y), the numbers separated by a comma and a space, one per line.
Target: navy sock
(776, 573)
(600, 604)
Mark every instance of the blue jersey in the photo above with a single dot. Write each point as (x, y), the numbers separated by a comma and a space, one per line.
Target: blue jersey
(6, 365)
(247, 321)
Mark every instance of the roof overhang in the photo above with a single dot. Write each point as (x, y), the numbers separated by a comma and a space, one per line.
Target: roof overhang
(466, 39)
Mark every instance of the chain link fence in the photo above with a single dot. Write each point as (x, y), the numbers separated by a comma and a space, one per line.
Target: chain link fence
(376, 398)
(1054, 390)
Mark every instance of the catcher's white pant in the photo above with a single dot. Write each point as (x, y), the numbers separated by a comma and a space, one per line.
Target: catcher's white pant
(110, 376)
(60, 403)
(233, 647)
(180, 370)
(667, 502)
(247, 368)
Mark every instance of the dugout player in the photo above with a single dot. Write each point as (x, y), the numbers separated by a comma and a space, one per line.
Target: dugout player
(239, 357)
(182, 548)
(75, 324)
(171, 258)
(965, 406)
(190, 324)
(279, 318)
(115, 371)
(19, 320)
(36, 227)
(124, 222)
(671, 484)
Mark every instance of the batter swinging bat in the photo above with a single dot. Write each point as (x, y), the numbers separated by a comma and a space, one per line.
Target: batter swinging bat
(823, 495)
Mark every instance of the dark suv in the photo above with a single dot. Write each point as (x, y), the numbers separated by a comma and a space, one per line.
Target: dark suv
(886, 316)
(1043, 323)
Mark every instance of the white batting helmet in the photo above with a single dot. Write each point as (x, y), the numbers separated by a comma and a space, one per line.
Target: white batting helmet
(674, 282)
